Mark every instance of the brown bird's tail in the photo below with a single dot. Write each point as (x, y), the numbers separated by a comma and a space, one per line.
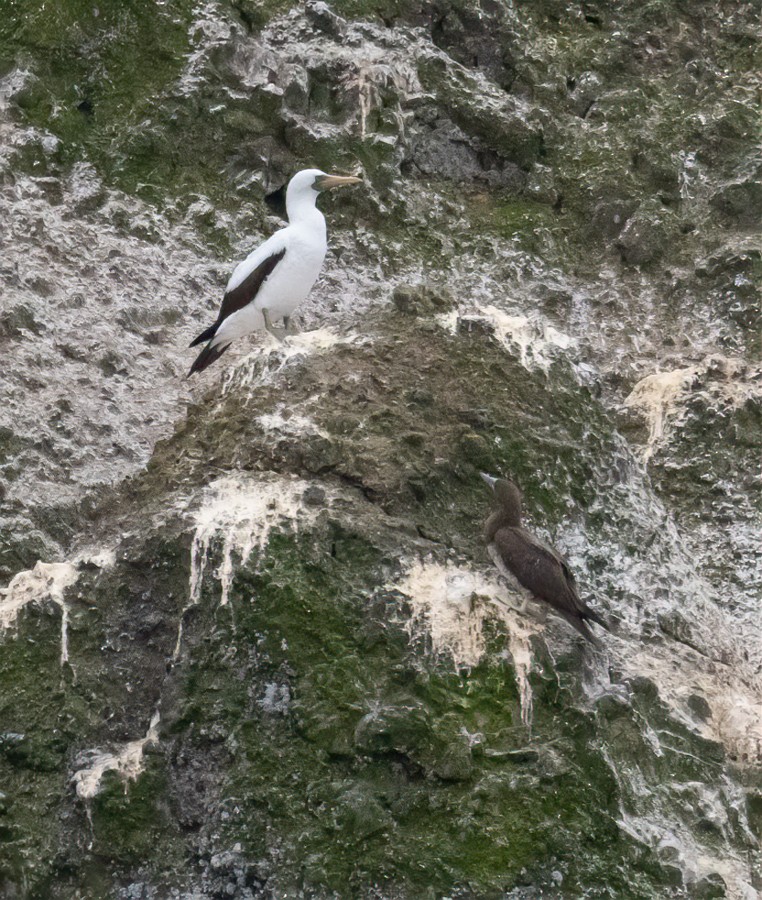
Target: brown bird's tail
(594, 617)
(582, 627)
(207, 356)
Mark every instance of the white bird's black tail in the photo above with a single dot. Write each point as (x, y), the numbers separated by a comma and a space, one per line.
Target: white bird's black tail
(206, 335)
(207, 356)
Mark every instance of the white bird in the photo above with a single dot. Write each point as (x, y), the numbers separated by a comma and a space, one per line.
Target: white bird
(273, 280)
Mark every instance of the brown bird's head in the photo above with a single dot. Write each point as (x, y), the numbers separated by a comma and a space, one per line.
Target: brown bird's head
(507, 498)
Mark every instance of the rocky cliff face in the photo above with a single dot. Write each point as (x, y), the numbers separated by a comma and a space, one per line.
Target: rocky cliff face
(252, 643)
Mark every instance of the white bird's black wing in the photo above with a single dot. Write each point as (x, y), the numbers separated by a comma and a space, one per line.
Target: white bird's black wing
(242, 294)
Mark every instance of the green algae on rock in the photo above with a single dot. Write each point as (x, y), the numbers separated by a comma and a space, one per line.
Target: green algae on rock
(306, 720)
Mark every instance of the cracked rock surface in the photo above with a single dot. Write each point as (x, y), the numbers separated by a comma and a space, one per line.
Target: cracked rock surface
(252, 643)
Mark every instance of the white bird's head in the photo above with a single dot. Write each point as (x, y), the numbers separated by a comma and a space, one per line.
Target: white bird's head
(305, 186)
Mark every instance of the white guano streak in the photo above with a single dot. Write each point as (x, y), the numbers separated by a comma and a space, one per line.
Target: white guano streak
(655, 397)
(46, 581)
(661, 397)
(126, 760)
(241, 511)
(447, 602)
(281, 422)
(266, 362)
(664, 831)
(537, 342)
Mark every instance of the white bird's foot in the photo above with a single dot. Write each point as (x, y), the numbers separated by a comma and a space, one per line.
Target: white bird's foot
(277, 333)
(290, 326)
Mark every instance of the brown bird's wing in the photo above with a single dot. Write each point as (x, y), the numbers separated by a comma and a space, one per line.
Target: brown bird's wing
(545, 573)
(539, 569)
(243, 294)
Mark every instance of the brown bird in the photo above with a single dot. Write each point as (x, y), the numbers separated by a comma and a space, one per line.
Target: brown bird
(536, 566)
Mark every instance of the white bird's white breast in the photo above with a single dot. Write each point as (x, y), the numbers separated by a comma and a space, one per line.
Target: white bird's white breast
(293, 277)
(287, 285)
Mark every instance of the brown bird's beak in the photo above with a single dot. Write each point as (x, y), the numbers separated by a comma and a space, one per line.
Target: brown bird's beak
(489, 480)
(324, 182)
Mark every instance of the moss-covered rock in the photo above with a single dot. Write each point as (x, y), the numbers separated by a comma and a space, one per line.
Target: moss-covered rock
(646, 234)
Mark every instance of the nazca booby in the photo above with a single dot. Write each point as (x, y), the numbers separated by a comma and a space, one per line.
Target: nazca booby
(536, 566)
(273, 280)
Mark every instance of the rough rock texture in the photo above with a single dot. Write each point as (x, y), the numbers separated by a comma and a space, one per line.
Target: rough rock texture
(252, 644)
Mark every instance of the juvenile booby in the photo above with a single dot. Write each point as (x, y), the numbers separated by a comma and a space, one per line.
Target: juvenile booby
(273, 280)
(536, 566)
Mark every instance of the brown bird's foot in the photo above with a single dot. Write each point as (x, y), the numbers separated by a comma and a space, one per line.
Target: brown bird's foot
(278, 333)
(290, 326)
(519, 608)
